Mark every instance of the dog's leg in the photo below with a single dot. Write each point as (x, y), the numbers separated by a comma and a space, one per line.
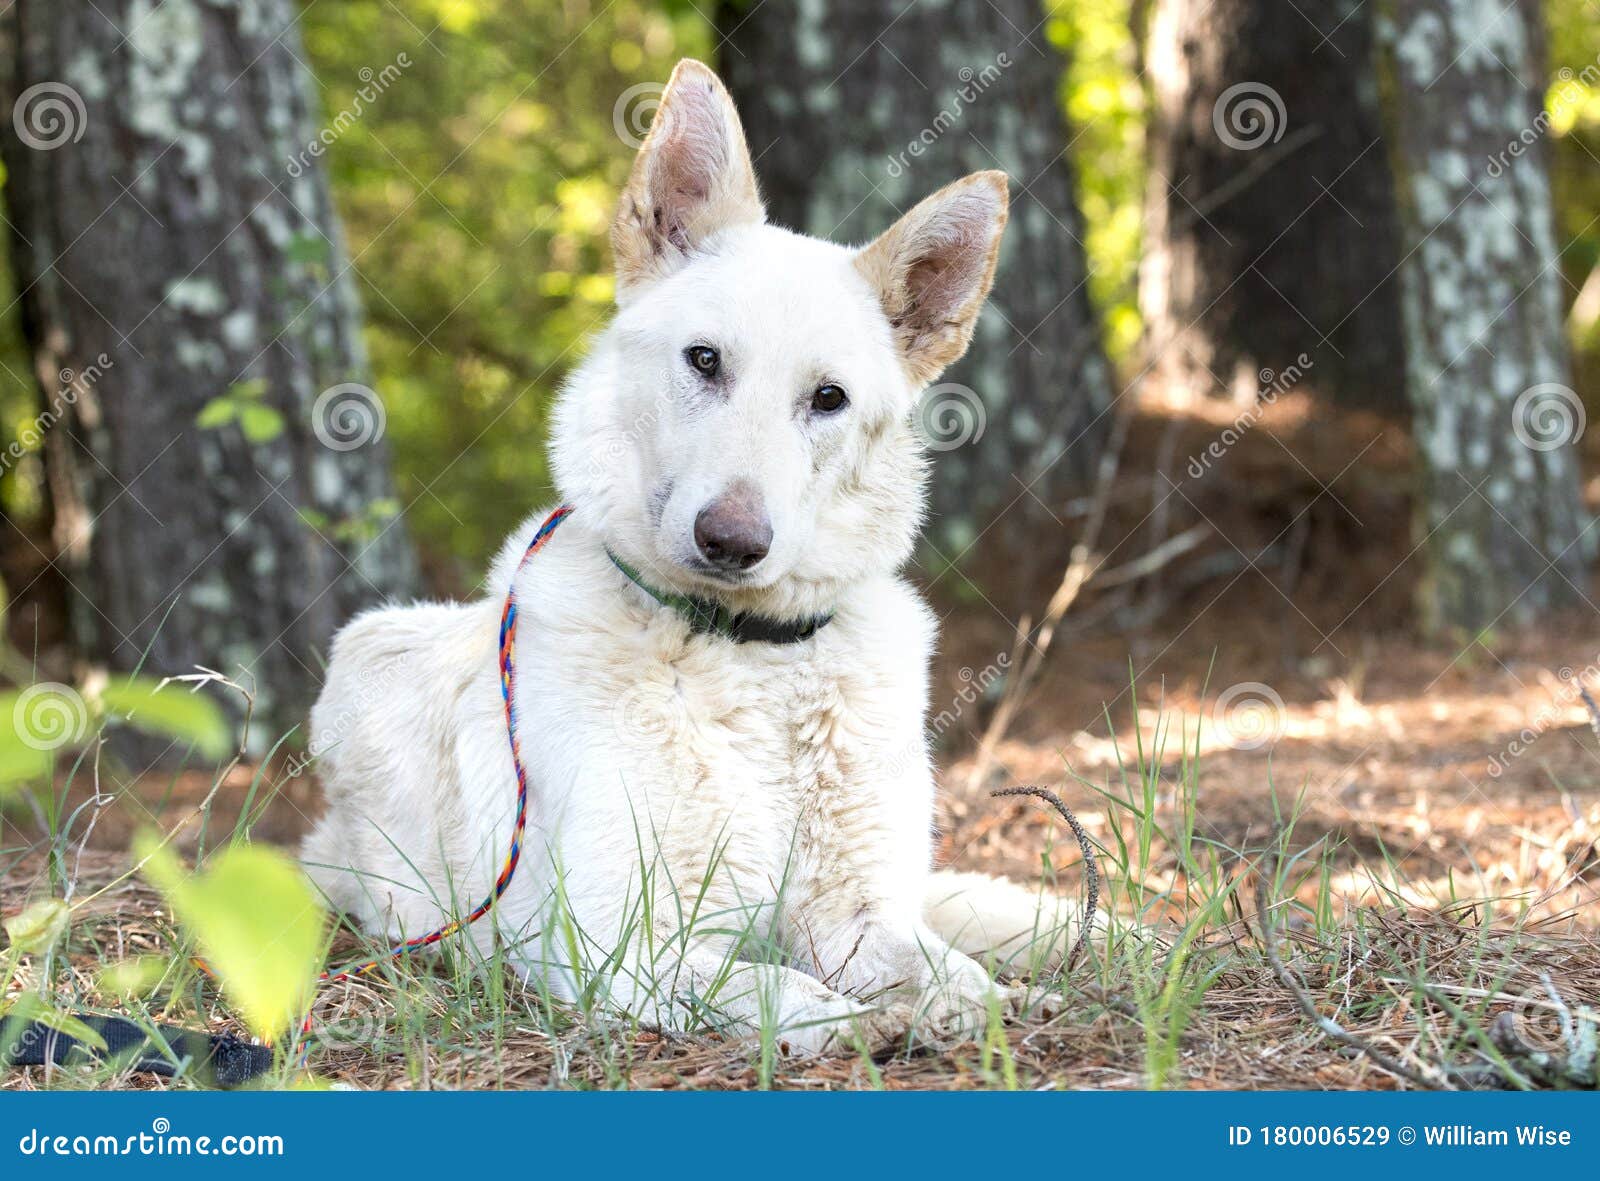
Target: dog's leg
(925, 988)
(1021, 931)
(703, 989)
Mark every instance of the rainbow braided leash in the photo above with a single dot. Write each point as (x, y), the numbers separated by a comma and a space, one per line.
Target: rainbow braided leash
(508, 654)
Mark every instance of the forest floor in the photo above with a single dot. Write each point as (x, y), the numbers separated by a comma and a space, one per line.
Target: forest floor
(1438, 878)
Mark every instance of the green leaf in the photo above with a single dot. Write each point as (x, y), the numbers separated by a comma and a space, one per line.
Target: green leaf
(33, 725)
(39, 927)
(137, 976)
(258, 923)
(217, 412)
(30, 1006)
(260, 423)
(253, 388)
(19, 761)
(173, 711)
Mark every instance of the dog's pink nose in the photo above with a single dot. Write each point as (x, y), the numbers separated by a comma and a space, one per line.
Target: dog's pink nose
(733, 531)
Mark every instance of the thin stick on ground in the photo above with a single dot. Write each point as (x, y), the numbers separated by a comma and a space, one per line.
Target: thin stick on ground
(1429, 1078)
(1091, 867)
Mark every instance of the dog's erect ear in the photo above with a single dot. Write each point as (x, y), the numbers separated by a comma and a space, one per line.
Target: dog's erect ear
(691, 178)
(933, 267)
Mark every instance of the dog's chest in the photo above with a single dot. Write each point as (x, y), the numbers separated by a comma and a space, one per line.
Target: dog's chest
(762, 770)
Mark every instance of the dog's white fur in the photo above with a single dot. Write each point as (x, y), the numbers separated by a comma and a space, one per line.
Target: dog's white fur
(696, 801)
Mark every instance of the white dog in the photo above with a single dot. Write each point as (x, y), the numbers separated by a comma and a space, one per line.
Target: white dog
(721, 682)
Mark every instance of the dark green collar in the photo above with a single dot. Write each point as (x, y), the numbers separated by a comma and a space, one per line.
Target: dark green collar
(708, 617)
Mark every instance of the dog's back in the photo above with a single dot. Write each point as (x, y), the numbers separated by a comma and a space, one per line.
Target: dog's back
(393, 845)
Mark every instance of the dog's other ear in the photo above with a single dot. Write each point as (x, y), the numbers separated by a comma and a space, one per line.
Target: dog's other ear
(691, 178)
(933, 268)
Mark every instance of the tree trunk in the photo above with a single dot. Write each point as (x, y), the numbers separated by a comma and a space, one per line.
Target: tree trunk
(1270, 226)
(854, 111)
(189, 302)
(1499, 508)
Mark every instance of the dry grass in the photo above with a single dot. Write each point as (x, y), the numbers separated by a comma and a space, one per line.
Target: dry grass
(1179, 993)
(1441, 915)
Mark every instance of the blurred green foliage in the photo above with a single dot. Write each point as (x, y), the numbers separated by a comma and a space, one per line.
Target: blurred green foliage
(1573, 100)
(476, 193)
(1105, 101)
(476, 186)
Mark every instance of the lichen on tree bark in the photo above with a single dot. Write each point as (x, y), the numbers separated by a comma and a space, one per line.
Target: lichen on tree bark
(1499, 514)
(170, 238)
(854, 112)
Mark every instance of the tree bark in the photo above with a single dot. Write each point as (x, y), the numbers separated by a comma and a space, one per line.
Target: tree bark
(1270, 228)
(1500, 514)
(170, 255)
(854, 111)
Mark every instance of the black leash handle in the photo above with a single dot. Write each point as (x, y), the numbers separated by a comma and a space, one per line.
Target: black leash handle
(217, 1060)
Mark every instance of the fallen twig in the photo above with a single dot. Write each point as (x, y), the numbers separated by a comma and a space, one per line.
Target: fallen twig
(1429, 1078)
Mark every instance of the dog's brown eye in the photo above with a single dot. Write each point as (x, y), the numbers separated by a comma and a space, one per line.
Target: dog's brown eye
(829, 399)
(704, 358)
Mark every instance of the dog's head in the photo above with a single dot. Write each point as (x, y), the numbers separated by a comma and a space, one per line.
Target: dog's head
(743, 429)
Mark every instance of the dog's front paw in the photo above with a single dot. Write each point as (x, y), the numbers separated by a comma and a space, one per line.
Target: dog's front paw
(863, 1028)
(1025, 1001)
